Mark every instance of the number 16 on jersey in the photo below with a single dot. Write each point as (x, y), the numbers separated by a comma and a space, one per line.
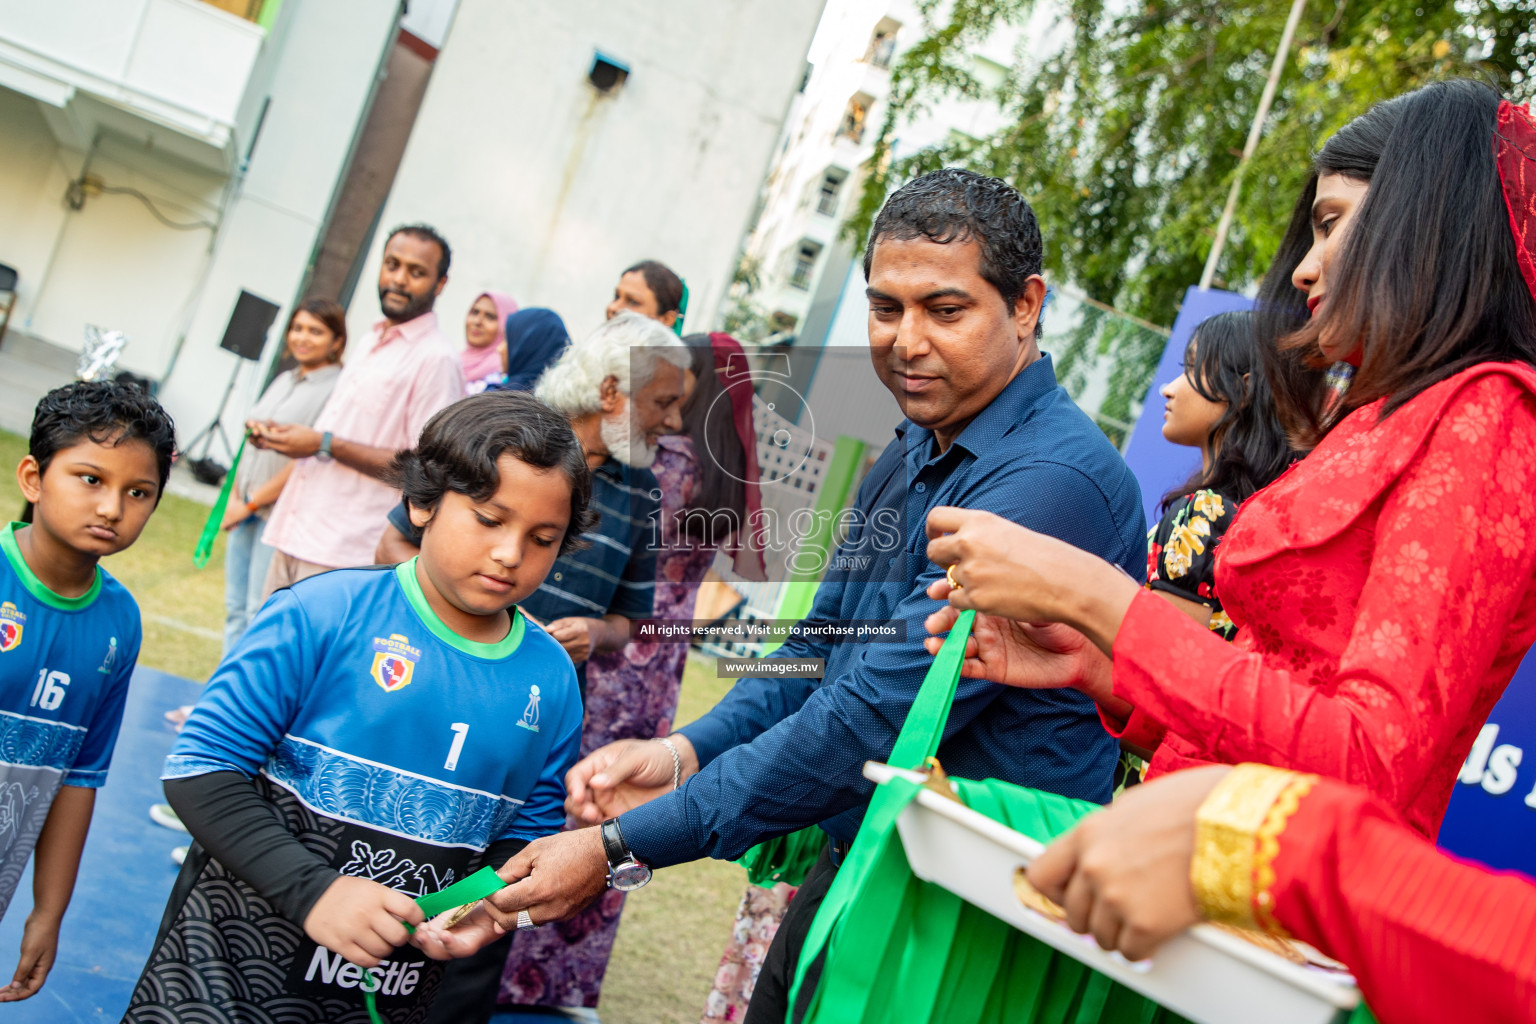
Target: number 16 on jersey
(48, 694)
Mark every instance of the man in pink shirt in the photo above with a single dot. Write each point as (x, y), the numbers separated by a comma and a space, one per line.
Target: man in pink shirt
(329, 513)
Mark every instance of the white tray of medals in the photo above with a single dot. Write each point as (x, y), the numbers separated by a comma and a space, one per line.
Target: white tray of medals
(1209, 974)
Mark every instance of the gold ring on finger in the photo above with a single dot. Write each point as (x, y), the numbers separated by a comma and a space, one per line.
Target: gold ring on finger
(949, 575)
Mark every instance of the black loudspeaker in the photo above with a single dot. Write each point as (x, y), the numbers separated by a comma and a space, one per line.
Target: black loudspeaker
(246, 334)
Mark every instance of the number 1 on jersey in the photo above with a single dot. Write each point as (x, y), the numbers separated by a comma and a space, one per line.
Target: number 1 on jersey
(460, 730)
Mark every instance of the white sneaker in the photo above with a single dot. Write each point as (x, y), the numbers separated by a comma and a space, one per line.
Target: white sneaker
(179, 854)
(165, 816)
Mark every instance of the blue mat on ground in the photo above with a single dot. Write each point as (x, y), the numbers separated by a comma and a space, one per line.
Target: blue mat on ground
(125, 875)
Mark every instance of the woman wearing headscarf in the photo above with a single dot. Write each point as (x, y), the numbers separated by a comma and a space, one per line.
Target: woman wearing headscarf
(1383, 588)
(709, 478)
(535, 338)
(485, 337)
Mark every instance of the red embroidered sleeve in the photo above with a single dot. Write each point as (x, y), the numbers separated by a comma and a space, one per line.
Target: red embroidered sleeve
(1429, 938)
(1452, 557)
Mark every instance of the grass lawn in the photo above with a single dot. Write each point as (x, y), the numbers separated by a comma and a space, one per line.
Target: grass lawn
(674, 929)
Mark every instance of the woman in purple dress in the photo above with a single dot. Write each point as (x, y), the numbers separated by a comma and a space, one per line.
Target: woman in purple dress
(711, 467)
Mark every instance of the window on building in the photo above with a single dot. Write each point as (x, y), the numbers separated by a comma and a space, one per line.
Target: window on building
(882, 43)
(852, 127)
(831, 188)
(805, 264)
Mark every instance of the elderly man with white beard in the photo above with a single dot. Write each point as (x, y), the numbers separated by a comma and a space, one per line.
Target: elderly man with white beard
(622, 388)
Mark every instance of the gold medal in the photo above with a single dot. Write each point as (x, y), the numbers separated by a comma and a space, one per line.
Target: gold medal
(461, 913)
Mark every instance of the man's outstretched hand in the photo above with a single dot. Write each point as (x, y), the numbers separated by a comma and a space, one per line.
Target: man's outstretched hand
(552, 878)
(623, 775)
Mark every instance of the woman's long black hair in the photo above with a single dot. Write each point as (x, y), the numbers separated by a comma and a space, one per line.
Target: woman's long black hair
(721, 493)
(1428, 280)
(1247, 445)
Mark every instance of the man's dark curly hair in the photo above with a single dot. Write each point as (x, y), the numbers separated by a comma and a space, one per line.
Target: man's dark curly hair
(460, 445)
(427, 233)
(108, 412)
(956, 205)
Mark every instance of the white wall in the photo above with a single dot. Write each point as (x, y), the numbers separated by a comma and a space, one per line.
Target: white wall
(109, 263)
(113, 264)
(319, 86)
(181, 63)
(547, 189)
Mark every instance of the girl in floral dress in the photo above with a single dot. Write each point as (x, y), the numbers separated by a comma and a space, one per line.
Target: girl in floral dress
(1220, 404)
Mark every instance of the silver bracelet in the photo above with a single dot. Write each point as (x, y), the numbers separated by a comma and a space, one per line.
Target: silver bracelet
(677, 760)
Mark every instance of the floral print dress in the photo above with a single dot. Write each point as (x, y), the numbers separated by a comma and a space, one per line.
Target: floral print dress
(1181, 552)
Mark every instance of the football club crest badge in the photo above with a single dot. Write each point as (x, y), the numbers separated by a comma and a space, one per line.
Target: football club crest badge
(11, 622)
(394, 662)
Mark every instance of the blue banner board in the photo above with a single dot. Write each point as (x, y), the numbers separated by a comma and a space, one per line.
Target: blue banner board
(1492, 817)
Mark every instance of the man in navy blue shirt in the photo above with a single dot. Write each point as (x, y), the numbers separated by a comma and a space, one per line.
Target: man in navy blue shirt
(953, 271)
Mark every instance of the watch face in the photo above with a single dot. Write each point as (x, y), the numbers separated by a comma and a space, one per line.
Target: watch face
(629, 876)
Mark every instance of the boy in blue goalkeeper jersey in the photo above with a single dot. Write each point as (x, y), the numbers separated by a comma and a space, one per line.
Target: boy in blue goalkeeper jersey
(96, 464)
(375, 736)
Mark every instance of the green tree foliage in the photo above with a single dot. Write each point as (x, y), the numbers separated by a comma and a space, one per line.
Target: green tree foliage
(1125, 139)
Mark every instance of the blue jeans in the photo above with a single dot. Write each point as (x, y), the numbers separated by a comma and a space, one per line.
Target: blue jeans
(246, 560)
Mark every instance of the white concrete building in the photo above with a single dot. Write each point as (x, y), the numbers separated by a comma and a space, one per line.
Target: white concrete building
(162, 155)
(829, 135)
(811, 287)
(559, 143)
(818, 168)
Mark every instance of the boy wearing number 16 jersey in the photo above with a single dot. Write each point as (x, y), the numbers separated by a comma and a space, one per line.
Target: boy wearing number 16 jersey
(96, 463)
(377, 735)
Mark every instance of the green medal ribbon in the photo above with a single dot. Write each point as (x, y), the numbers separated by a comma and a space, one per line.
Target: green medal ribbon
(204, 547)
(477, 886)
(917, 741)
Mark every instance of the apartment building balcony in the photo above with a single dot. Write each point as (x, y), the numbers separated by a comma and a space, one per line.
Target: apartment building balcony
(170, 72)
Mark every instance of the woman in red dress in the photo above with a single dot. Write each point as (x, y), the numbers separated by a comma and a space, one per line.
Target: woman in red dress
(1383, 587)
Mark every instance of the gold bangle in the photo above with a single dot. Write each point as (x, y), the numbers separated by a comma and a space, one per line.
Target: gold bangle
(1268, 848)
(1227, 830)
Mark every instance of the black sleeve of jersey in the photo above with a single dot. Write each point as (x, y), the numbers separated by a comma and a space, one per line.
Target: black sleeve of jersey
(503, 850)
(235, 825)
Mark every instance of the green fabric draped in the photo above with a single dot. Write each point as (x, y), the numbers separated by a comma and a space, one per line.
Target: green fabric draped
(784, 859)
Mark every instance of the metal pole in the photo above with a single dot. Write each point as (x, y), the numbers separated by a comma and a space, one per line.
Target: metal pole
(1225, 224)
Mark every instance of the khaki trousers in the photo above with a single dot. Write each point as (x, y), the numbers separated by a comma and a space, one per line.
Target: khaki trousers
(286, 570)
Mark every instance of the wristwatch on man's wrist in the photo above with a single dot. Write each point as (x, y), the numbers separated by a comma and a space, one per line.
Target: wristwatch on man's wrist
(625, 873)
(324, 454)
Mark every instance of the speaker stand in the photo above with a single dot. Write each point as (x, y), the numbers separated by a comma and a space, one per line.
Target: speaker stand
(216, 428)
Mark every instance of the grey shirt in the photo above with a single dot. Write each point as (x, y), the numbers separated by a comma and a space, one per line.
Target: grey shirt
(288, 399)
